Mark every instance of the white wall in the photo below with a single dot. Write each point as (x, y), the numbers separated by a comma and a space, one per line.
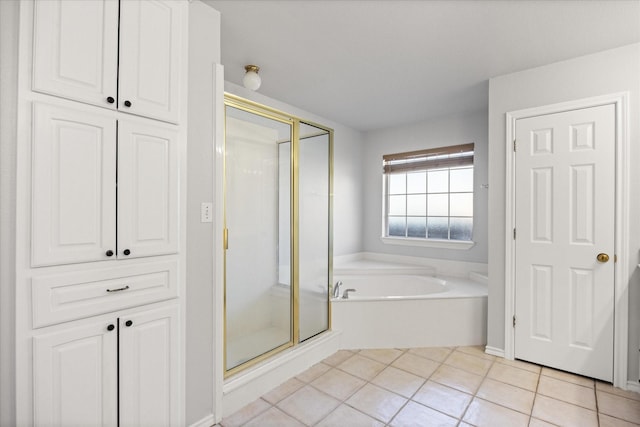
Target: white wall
(347, 172)
(204, 51)
(450, 130)
(8, 108)
(611, 71)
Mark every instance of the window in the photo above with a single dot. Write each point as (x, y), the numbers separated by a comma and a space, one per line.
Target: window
(429, 194)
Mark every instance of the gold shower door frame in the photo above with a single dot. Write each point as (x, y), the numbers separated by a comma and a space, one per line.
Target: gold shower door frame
(280, 116)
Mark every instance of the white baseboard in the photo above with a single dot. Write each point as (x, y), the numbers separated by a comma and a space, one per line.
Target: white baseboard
(633, 386)
(494, 351)
(207, 421)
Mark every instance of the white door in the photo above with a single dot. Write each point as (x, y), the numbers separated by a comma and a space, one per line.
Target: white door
(148, 206)
(149, 368)
(152, 36)
(75, 376)
(76, 50)
(565, 212)
(73, 187)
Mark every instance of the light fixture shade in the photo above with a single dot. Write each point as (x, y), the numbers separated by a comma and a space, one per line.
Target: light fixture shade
(251, 79)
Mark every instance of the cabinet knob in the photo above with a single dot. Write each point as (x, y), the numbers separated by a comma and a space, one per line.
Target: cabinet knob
(126, 252)
(128, 323)
(110, 100)
(110, 328)
(127, 103)
(109, 253)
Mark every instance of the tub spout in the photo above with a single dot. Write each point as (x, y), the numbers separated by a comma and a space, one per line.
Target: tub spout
(345, 294)
(336, 289)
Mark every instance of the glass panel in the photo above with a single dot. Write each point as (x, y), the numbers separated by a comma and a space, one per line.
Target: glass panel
(417, 226)
(461, 180)
(437, 228)
(461, 204)
(397, 183)
(461, 228)
(258, 291)
(438, 181)
(397, 226)
(397, 205)
(314, 163)
(416, 182)
(417, 205)
(438, 205)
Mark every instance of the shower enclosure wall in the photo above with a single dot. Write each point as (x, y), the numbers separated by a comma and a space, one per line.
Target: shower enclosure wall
(277, 185)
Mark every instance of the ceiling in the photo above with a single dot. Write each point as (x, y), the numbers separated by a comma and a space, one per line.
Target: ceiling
(376, 64)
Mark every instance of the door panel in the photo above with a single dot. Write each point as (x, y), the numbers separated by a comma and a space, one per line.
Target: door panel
(76, 50)
(152, 34)
(74, 175)
(565, 212)
(148, 207)
(75, 376)
(149, 368)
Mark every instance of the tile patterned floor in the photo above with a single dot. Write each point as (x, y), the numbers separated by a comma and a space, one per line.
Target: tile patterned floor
(424, 387)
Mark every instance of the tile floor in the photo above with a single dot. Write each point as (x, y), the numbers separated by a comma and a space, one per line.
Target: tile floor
(437, 386)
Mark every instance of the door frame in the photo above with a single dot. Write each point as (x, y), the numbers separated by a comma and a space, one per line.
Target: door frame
(621, 275)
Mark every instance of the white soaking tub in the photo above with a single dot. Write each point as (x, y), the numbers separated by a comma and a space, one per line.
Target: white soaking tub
(393, 306)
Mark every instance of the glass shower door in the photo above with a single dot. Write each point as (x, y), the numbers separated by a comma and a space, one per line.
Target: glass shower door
(258, 285)
(314, 201)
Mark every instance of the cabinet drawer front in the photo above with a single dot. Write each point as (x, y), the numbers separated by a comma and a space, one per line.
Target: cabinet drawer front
(64, 297)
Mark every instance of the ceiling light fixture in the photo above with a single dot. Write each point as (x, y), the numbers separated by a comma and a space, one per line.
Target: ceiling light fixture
(251, 79)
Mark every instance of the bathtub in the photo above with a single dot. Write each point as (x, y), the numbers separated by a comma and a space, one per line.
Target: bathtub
(401, 306)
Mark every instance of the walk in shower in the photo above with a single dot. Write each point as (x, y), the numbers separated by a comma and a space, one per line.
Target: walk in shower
(278, 253)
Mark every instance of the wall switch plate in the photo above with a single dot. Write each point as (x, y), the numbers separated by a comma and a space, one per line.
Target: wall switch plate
(206, 212)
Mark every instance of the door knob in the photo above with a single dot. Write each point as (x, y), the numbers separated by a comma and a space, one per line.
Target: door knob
(602, 257)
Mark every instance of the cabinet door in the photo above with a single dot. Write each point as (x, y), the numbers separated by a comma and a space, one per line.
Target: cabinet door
(148, 207)
(75, 376)
(75, 51)
(152, 39)
(150, 368)
(73, 180)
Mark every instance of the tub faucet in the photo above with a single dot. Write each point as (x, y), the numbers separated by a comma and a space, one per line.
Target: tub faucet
(336, 289)
(345, 294)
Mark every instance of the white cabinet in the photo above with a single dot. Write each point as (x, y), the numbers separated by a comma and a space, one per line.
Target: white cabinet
(149, 378)
(148, 209)
(120, 55)
(120, 371)
(78, 201)
(75, 375)
(100, 203)
(151, 36)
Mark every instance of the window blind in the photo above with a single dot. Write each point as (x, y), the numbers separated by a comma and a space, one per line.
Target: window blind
(433, 158)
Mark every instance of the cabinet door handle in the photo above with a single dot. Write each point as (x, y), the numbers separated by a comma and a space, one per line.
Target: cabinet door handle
(124, 288)
(110, 100)
(126, 252)
(110, 328)
(127, 103)
(109, 253)
(128, 323)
